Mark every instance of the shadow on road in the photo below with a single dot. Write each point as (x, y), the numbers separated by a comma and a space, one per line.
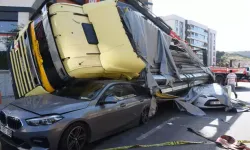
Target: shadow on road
(212, 125)
(242, 89)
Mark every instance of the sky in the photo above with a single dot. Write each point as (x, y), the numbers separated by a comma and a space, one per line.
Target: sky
(230, 18)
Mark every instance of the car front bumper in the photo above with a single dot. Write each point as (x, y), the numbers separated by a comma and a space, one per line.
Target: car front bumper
(31, 137)
(41, 138)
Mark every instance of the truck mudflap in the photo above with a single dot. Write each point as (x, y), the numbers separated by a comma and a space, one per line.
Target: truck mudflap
(23, 68)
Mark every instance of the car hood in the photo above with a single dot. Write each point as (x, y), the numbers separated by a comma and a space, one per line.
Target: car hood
(49, 104)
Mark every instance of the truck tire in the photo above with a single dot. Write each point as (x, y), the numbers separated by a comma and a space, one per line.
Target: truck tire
(219, 79)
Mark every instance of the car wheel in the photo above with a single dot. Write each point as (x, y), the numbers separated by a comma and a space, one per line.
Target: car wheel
(144, 116)
(75, 137)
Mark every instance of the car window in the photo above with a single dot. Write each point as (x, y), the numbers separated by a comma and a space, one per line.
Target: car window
(141, 90)
(82, 90)
(119, 92)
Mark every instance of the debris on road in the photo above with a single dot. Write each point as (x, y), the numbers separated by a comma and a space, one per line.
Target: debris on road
(224, 141)
(171, 143)
(209, 96)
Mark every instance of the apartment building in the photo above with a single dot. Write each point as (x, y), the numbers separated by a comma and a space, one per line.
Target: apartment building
(197, 35)
(177, 23)
(212, 47)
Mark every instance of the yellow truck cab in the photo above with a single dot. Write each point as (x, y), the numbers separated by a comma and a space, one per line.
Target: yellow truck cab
(104, 40)
(71, 41)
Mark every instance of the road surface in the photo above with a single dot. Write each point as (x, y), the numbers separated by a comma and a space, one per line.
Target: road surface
(170, 125)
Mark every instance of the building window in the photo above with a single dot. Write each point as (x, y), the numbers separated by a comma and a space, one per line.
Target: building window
(181, 29)
(192, 41)
(214, 59)
(7, 26)
(176, 23)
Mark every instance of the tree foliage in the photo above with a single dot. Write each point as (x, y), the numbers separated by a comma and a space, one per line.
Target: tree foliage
(223, 58)
(7, 40)
(3, 60)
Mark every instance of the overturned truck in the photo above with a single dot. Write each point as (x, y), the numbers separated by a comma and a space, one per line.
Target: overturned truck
(104, 40)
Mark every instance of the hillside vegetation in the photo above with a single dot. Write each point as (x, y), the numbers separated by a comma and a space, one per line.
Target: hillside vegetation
(223, 58)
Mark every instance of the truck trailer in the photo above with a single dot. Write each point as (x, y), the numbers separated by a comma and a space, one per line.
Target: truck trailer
(105, 40)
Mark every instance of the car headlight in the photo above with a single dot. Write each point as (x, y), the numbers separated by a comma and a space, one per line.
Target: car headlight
(47, 120)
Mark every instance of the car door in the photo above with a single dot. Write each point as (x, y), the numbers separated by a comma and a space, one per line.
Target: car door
(107, 118)
(143, 98)
(131, 103)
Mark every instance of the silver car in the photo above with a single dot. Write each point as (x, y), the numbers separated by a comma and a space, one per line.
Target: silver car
(78, 114)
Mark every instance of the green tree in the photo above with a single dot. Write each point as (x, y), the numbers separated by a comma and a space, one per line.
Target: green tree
(7, 40)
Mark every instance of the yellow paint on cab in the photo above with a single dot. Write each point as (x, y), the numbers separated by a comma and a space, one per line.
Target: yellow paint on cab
(113, 56)
(37, 91)
(35, 47)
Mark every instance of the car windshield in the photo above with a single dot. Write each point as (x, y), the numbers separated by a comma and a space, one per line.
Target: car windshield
(82, 90)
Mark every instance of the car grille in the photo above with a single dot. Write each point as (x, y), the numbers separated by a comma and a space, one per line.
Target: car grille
(11, 122)
(14, 123)
(2, 118)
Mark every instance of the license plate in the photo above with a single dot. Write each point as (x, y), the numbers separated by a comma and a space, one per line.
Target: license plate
(215, 102)
(6, 131)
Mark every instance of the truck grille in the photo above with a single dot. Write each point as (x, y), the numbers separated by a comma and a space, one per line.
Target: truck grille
(11, 122)
(14, 123)
(23, 70)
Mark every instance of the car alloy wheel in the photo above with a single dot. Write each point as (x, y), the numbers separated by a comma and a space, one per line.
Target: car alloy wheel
(77, 138)
(144, 116)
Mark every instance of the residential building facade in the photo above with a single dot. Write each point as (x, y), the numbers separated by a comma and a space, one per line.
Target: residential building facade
(212, 47)
(197, 35)
(177, 23)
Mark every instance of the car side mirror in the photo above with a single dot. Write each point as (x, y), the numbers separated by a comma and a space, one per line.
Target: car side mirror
(108, 100)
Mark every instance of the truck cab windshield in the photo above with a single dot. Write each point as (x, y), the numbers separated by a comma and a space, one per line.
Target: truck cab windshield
(82, 90)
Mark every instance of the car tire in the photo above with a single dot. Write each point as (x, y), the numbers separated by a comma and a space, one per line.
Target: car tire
(144, 116)
(75, 137)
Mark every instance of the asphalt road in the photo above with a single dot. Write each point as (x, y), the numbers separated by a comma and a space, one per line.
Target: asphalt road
(171, 125)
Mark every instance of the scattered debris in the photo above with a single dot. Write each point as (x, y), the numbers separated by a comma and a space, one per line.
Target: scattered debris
(224, 141)
(170, 143)
(209, 96)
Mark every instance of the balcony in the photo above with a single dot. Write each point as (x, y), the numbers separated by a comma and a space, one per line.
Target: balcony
(199, 46)
(197, 38)
(197, 31)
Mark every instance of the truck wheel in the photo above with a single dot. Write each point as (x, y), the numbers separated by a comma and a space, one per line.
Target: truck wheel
(219, 80)
(75, 137)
